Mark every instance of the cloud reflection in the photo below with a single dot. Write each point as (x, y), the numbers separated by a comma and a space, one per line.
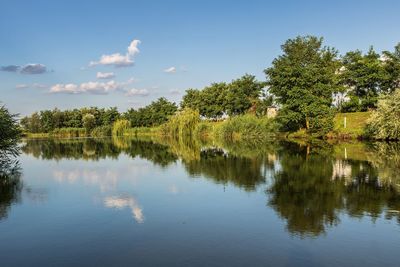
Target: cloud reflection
(121, 202)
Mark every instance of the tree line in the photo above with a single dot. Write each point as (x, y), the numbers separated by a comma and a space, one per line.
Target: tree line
(308, 82)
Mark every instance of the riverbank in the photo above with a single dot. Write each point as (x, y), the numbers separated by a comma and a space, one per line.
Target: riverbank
(347, 126)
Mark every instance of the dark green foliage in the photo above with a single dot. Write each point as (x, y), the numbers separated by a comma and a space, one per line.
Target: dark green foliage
(154, 114)
(9, 132)
(88, 122)
(233, 98)
(46, 121)
(365, 76)
(303, 80)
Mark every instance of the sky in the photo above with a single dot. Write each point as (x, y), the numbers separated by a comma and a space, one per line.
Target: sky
(72, 54)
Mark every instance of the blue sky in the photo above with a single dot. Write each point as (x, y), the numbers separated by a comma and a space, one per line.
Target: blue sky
(199, 42)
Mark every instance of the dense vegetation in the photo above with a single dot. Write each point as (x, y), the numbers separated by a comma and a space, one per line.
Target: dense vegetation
(9, 168)
(384, 123)
(309, 83)
(9, 132)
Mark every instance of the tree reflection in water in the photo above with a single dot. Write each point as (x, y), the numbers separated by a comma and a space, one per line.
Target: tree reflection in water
(10, 182)
(309, 185)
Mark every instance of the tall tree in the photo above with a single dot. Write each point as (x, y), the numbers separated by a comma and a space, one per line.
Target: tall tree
(303, 79)
(242, 94)
(391, 66)
(364, 76)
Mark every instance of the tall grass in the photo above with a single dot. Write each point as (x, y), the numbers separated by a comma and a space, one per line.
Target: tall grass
(101, 131)
(119, 127)
(182, 123)
(246, 127)
(69, 132)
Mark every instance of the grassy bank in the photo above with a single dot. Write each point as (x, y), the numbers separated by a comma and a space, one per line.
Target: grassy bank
(235, 128)
(346, 126)
(349, 125)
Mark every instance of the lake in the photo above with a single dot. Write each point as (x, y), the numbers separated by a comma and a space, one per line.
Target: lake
(152, 202)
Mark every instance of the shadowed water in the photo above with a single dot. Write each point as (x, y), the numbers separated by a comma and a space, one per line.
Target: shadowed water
(151, 202)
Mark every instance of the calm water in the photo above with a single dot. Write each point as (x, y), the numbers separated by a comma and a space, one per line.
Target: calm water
(127, 202)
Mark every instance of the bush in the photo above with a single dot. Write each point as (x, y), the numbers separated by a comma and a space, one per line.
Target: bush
(182, 123)
(88, 122)
(69, 132)
(9, 132)
(101, 131)
(321, 120)
(204, 129)
(384, 123)
(120, 126)
(246, 126)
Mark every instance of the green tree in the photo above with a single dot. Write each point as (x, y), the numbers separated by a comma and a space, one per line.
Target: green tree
(242, 94)
(9, 131)
(364, 77)
(88, 122)
(391, 66)
(303, 79)
(46, 120)
(384, 123)
(191, 99)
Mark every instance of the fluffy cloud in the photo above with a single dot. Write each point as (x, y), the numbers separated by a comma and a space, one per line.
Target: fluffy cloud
(98, 88)
(105, 75)
(118, 59)
(170, 70)
(69, 88)
(137, 92)
(88, 87)
(26, 69)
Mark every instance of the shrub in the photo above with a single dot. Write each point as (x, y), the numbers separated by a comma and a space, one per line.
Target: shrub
(384, 123)
(120, 126)
(182, 123)
(246, 126)
(101, 131)
(9, 132)
(88, 122)
(69, 132)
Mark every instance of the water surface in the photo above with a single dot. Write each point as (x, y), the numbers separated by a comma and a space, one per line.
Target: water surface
(129, 202)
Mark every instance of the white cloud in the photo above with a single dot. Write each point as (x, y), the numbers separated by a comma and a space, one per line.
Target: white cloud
(97, 88)
(170, 70)
(35, 85)
(69, 88)
(88, 87)
(105, 75)
(21, 86)
(137, 92)
(132, 48)
(118, 59)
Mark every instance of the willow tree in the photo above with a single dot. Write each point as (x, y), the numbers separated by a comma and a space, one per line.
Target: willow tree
(303, 79)
(9, 132)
